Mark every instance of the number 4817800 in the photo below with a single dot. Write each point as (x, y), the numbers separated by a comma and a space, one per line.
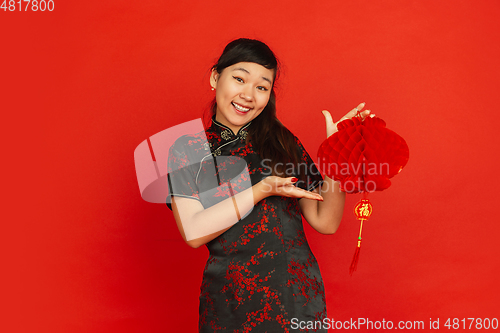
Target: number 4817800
(27, 5)
(477, 323)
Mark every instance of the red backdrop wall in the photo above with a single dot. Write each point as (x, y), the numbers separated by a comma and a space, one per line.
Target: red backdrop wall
(84, 84)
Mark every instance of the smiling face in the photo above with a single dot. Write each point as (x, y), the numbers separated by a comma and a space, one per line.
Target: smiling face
(242, 92)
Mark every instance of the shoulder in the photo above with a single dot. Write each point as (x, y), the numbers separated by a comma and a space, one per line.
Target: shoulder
(189, 141)
(191, 145)
(188, 149)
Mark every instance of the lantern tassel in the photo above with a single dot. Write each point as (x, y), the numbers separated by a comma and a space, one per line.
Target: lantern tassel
(355, 259)
(354, 263)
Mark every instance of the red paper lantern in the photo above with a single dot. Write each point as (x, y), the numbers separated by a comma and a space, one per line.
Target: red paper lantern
(363, 155)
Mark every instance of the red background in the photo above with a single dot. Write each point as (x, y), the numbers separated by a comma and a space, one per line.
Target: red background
(83, 85)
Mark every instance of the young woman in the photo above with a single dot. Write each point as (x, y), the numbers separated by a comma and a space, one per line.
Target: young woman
(241, 188)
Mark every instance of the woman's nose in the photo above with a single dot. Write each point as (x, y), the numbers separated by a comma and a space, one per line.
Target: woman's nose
(246, 94)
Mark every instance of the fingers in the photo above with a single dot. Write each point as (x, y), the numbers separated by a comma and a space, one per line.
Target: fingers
(292, 191)
(357, 109)
(287, 181)
(363, 114)
(354, 112)
(328, 116)
(311, 195)
(285, 187)
(296, 192)
(331, 127)
(366, 113)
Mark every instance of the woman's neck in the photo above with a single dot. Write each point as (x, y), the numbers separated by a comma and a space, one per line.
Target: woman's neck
(234, 128)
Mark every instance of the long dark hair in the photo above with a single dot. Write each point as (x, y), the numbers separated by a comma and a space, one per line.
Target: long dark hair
(268, 136)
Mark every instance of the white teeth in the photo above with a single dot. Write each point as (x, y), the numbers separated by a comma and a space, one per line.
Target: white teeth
(240, 108)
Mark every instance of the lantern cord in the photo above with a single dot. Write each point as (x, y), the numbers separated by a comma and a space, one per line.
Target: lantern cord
(360, 230)
(354, 262)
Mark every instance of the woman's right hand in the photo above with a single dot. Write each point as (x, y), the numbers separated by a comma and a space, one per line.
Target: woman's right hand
(274, 185)
(331, 127)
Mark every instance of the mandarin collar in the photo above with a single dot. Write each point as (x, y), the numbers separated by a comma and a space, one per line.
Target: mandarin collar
(226, 133)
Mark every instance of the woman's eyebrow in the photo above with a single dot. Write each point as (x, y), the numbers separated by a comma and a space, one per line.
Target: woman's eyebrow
(268, 80)
(241, 69)
(246, 71)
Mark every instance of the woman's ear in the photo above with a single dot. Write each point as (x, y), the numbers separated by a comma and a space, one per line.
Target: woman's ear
(213, 78)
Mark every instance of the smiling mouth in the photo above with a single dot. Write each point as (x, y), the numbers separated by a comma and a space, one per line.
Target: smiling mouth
(240, 108)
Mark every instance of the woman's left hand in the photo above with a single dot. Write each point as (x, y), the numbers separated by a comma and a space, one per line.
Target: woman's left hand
(331, 127)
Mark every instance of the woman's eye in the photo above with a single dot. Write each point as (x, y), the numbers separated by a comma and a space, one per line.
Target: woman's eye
(262, 88)
(239, 79)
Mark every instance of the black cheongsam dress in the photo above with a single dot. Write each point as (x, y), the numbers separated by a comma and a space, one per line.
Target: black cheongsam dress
(261, 275)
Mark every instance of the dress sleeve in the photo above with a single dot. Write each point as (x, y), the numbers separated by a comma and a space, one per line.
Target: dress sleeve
(307, 172)
(182, 167)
